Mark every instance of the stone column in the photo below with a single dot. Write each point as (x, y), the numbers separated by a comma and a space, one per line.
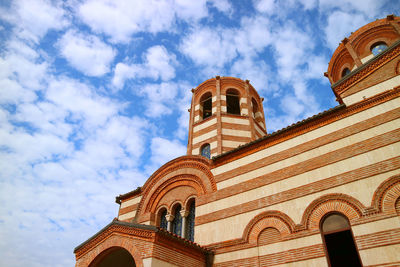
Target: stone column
(184, 214)
(169, 218)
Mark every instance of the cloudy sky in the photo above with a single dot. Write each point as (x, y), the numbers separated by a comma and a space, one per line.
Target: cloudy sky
(94, 97)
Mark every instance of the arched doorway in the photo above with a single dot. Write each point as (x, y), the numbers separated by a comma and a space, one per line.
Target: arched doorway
(115, 256)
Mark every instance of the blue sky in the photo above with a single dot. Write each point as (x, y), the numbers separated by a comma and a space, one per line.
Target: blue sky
(94, 97)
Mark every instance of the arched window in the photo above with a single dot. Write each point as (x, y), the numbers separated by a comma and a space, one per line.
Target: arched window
(205, 151)
(378, 48)
(345, 72)
(162, 218)
(255, 107)
(339, 242)
(177, 222)
(190, 221)
(206, 105)
(232, 102)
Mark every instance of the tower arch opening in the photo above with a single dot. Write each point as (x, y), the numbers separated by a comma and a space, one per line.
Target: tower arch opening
(206, 105)
(232, 102)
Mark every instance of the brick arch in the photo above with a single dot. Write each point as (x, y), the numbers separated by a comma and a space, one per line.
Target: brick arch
(188, 200)
(181, 180)
(186, 170)
(386, 195)
(397, 70)
(269, 219)
(114, 242)
(345, 204)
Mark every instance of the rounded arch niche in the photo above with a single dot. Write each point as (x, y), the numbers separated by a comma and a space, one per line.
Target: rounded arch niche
(114, 256)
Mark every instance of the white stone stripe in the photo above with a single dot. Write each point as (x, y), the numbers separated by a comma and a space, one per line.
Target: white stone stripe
(259, 130)
(321, 131)
(239, 133)
(316, 262)
(269, 249)
(235, 120)
(204, 125)
(196, 107)
(381, 255)
(313, 153)
(376, 226)
(336, 168)
(232, 144)
(205, 136)
(373, 90)
(131, 202)
(126, 216)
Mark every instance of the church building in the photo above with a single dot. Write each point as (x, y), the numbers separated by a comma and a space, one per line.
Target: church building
(324, 191)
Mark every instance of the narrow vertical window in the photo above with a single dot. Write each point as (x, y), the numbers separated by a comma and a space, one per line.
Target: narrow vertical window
(232, 102)
(206, 105)
(205, 151)
(339, 242)
(177, 223)
(255, 107)
(163, 219)
(190, 221)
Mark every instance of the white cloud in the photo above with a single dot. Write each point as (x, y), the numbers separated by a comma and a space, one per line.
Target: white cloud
(223, 6)
(265, 6)
(158, 63)
(164, 150)
(339, 26)
(368, 8)
(32, 19)
(209, 48)
(86, 53)
(161, 98)
(121, 19)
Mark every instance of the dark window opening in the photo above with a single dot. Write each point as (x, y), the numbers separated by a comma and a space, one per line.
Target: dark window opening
(190, 221)
(345, 72)
(255, 107)
(206, 104)
(232, 102)
(206, 151)
(339, 242)
(177, 222)
(341, 249)
(378, 48)
(163, 219)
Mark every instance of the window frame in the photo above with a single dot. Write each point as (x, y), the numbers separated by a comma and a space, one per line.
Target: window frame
(336, 231)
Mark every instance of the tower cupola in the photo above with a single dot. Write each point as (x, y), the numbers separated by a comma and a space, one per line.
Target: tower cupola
(225, 112)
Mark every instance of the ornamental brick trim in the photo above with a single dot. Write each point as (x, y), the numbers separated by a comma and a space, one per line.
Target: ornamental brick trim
(275, 219)
(345, 204)
(164, 188)
(386, 194)
(109, 238)
(205, 179)
(367, 70)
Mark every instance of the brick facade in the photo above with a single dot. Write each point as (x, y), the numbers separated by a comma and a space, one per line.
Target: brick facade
(261, 199)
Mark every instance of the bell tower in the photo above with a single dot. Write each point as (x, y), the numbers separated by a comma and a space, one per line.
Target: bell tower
(225, 112)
